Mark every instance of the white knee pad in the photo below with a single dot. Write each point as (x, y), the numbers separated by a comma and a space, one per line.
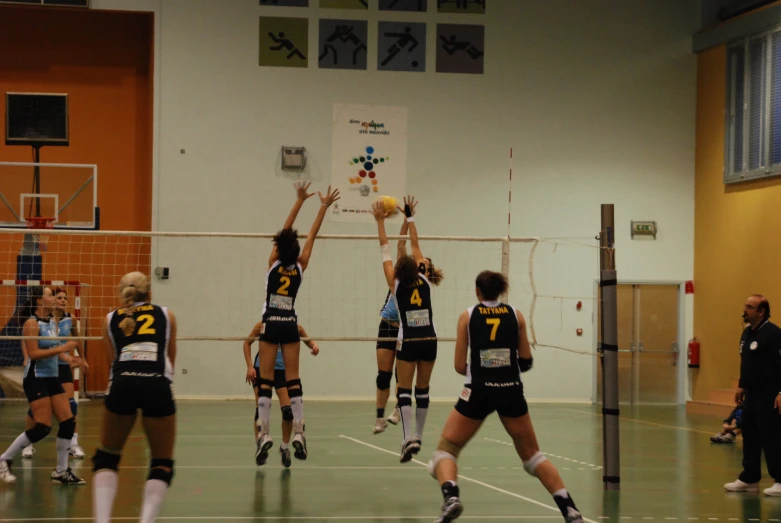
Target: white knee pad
(438, 456)
(531, 464)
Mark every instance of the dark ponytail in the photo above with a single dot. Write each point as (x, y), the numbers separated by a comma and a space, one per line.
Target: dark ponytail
(27, 309)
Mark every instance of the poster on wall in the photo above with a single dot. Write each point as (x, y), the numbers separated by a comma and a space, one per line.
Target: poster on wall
(286, 3)
(342, 44)
(461, 6)
(418, 6)
(369, 158)
(401, 46)
(460, 48)
(344, 4)
(284, 42)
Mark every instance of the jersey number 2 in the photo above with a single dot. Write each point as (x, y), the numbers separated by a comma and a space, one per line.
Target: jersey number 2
(494, 323)
(146, 328)
(285, 284)
(415, 299)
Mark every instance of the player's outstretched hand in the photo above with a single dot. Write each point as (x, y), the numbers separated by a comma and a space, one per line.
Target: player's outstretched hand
(301, 188)
(409, 206)
(378, 210)
(329, 198)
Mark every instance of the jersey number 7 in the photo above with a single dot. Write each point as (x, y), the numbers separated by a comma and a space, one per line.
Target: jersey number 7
(494, 323)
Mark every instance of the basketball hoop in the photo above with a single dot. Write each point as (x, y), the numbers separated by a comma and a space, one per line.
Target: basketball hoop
(40, 223)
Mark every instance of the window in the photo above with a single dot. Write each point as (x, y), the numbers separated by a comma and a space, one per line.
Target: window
(753, 112)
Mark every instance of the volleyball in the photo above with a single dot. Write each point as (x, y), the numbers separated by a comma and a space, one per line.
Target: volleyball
(389, 203)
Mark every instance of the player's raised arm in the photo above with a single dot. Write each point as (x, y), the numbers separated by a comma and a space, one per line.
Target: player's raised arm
(301, 196)
(378, 209)
(409, 213)
(325, 202)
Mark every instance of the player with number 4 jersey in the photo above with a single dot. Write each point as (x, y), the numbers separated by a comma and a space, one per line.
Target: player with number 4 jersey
(416, 349)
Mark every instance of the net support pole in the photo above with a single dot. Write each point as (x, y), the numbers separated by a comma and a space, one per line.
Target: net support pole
(505, 264)
(608, 350)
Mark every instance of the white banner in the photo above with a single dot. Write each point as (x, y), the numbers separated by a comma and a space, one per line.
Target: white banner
(369, 158)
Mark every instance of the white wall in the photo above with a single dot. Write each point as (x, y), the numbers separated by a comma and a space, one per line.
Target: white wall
(597, 99)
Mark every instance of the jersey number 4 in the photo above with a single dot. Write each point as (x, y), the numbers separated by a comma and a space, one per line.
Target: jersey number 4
(285, 284)
(146, 328)
(415, 299)
(494, 323)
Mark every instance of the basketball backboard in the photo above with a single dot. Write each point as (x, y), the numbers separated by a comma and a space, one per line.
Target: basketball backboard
(66, 192)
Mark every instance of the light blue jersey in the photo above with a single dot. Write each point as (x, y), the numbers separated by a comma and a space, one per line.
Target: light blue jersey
(65, 327)
(46, 367)
(278, 365)
(389, 311)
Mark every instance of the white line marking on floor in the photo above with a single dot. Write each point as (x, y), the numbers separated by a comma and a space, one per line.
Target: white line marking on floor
(291, 518)
(596, 467)
(481, 483)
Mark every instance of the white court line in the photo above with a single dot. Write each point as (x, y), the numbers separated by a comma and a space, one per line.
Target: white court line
(247, 436)
(292, 518)
(23, 466)
(481, 483)
(548, 454)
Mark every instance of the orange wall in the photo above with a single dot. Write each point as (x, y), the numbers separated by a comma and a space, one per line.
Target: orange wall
(103, 60)
(735, 230)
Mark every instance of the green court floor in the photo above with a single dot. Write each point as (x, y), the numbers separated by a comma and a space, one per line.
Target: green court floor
(669, 470)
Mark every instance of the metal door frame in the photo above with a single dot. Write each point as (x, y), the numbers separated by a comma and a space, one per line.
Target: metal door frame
(681, 373)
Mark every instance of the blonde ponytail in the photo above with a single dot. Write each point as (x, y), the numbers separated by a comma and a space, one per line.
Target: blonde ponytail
(134, 287)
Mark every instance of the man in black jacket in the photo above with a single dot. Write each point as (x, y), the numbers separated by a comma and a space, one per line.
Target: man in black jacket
(760, 390)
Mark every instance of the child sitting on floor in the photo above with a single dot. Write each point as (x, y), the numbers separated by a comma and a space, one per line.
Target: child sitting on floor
(730, 428)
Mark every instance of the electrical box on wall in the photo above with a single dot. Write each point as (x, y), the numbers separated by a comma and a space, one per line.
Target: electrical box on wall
(644, 228)
(293, 158)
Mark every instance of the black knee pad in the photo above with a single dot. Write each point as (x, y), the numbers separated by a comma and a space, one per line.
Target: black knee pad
(421, 397)
(67, 428)
(294, 383)
(103, 460)
(384, 379)
(155, 472)
(264, 393)
(404, 397)
(256, 414)
(287, 413)
(38, 432)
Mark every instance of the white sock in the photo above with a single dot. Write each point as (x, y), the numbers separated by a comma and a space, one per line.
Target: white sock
(264, 413)
(283, 446)
(63, 447)
(154, 494)
(297, 405)
(562, 493)
(75, 440)
(16, 447)
(406, 421)
(420, 421)
(103, 492)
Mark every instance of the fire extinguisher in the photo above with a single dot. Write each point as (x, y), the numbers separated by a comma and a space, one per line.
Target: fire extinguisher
(694, 354)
